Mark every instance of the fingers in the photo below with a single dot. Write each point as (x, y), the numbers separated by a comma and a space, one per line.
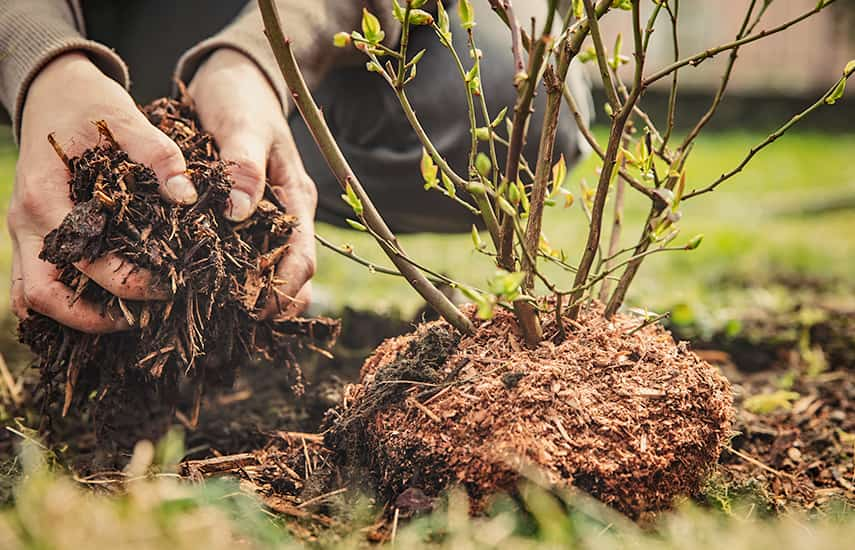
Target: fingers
(248, 153)
(298, 194)
(149, 146)
(121, 278)
(35, 287)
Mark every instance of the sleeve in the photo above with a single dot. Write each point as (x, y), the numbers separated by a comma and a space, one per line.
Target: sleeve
(310, 24)
(33, 33)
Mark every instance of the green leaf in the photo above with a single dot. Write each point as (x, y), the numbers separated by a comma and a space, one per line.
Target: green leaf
(523, 197)
(341, 39)
(499, 117)
(449, 185)
(371, 27)
(356, 225)
(442, 21)
(578, 9)
(416, 58)
(837, 92)
(416, 3)
(476, 238)
(505, 206)
(483, 164)
(770, 402)
(429, 170)
(420, 18)
(504, 284)
(695, 241)
(397, 11)
(352, 200)
(466, 13)
(559, 174)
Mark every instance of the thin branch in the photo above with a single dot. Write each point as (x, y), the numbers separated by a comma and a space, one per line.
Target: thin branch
(313, 117)
(769, 140)
(602, 62)
(698, 58)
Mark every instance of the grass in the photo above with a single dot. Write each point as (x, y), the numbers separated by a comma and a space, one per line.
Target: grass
(778, 216)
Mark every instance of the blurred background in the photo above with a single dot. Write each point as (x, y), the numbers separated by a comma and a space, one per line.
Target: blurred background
(790, 216)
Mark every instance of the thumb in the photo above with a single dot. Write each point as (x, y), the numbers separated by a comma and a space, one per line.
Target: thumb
(153, 148)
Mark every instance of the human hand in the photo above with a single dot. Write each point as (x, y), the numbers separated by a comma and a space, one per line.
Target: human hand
(237, 104)
(66, 97)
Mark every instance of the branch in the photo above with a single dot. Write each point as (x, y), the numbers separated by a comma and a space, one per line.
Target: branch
(770, 139)
(602, 63)
(313, 117)
(698, 58)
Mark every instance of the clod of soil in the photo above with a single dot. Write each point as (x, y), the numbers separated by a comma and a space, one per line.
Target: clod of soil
(628, 415)
(219, 275)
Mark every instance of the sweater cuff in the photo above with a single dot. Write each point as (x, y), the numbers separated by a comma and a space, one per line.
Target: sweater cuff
(23, 67)
(253, 45)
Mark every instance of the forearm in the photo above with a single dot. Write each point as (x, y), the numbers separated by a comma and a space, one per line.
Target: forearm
(32, 34)
(310, 24)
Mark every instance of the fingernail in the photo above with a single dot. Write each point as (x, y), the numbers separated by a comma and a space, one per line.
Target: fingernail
(238, 207)
(181, 189)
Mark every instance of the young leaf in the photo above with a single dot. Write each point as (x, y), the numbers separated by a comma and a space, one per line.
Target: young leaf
(476, 238)
(559, 173)
(356, 225)
(420, 17)
(837, 92)
(352, 200)
(578, 9)
(523, 197)
(397, 11)
(695, 241)
(503, 112)
(467, 15)
(449, 185)
(371, 27)
(849, 69)
(415, 4)
(429, 170)
(442, 21)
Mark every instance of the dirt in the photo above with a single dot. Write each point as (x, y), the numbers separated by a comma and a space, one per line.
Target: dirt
(218, 276)
(631, 417)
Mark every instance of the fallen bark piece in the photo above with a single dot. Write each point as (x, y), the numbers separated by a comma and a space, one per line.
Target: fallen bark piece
(631, 417)
(219, 276)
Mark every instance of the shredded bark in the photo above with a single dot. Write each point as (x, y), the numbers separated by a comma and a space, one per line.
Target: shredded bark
(219, 275)
(631, 417)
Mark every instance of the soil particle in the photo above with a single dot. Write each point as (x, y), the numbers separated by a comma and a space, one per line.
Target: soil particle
(631, 417)
(218, 276)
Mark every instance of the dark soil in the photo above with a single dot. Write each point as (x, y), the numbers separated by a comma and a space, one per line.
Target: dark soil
(633, 418)
(219, 275)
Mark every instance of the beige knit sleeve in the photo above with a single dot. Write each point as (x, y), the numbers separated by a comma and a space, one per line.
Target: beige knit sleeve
(34, 32)
(310, 24)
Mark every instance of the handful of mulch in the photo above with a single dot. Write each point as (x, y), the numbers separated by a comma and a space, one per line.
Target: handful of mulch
(219, 276)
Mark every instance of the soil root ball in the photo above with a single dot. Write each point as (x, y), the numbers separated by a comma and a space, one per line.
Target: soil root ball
(631, 417)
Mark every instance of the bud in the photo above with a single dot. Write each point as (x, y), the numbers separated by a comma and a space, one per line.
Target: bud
(429, 170)
(476, 188)
(371, 27)
(356, 225)
(519, 78)
(506, 207)
(341, 39)
(483, 164)
(482, 134)
(837, 92)
(849, 69)
(695, 241)
(476, 238)
(415, 4)
(467, 15)
(420, 17)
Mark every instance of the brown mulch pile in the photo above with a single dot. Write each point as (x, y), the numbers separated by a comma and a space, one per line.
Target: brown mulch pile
(631, 417)
(219, 275)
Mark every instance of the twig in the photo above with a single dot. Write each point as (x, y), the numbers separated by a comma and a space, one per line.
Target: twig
(698, 58)
(313, 117)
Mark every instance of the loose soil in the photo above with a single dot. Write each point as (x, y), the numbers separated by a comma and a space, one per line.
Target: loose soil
(219, 275)
(628, 415)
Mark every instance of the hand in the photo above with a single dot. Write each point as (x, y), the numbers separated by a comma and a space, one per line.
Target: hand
(64, 99)
(237, 104)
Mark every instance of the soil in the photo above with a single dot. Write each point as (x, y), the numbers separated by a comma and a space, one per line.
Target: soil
(628, 415)
(219, 275)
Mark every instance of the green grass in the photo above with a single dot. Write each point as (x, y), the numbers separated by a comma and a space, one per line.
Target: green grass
(752, 227)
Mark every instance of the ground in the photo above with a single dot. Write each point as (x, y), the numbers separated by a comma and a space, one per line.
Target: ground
(788, 217)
